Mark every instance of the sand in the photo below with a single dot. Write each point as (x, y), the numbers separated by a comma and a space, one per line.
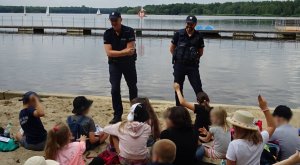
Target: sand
(57, 110)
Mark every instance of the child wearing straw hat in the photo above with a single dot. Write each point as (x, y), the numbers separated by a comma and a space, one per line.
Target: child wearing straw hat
(39, 160)
(248, 143)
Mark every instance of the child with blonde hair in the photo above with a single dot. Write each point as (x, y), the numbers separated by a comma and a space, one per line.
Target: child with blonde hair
(219, 132)
(163, 152)
(60, 148)
(248, 143)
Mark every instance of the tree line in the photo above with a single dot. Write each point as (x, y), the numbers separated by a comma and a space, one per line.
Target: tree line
(264, 8)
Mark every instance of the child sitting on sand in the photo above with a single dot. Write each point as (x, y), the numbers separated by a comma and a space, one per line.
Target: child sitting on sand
(81, 124)
(60, 148)
(163, 152)
(180, 131)
(202, 109)
(248, 143)
(153, 121)
(35, 135)
(285, 134)
(130, 137)
(219, 132)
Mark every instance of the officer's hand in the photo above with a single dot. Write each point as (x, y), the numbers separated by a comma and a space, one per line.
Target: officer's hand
(130, 51)
(176, 86)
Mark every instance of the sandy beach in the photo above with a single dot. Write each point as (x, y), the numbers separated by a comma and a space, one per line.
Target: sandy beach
(58, 108)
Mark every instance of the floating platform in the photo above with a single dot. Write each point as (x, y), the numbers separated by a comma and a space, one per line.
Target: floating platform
(25, 30)
(79, 31)
(156, 32)
(243, 35)
(287, 25)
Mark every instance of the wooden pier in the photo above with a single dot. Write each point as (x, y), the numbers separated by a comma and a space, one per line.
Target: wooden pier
(235, 34)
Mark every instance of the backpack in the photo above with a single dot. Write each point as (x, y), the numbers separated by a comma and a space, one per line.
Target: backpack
(75, 127)
(109, 157)
(11, 145)
(270, 153)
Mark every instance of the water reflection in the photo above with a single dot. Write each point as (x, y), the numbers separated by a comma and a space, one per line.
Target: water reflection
(233, 71)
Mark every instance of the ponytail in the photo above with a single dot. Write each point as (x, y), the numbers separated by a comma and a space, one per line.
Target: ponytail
(58, 137)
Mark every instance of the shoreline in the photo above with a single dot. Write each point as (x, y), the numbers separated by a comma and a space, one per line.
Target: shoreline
(9, 94)
(59, 106)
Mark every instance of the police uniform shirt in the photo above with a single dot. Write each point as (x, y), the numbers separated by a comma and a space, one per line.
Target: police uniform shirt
(200, 43)
(119, 42)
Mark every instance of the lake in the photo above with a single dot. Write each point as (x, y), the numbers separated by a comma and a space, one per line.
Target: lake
(232, 71)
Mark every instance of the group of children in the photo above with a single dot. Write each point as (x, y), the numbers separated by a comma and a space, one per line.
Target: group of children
(138, 140)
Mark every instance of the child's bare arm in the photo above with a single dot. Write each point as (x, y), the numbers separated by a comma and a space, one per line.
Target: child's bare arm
(102, 137)
(39, 112)
(207, 138)
(92, 138)
(82, 138)
(270, 122)
(182, 101)
(294, 159)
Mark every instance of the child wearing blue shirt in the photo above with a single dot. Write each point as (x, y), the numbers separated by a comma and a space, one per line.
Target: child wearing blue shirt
(35, 135)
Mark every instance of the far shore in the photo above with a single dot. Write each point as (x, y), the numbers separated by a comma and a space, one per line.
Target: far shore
(59, 106)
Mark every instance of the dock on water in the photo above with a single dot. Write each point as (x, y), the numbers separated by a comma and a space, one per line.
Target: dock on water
(278, 30)
(235, 34)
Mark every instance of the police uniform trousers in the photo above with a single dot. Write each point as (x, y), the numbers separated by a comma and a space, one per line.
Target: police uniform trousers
(192, 72)
(116, 70)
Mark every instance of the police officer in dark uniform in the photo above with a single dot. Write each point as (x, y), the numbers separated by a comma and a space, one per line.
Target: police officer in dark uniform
(187, 48)
(119, 44)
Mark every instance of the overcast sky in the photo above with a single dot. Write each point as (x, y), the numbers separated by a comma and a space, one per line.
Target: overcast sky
(101, 3)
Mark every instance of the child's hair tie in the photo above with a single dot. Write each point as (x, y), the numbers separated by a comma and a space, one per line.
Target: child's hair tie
(55, 128)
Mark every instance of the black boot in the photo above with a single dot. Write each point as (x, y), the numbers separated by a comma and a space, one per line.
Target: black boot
(115, 120)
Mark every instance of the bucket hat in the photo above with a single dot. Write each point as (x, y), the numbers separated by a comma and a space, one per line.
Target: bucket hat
(243, 119)
(80, 104)
(39, 160)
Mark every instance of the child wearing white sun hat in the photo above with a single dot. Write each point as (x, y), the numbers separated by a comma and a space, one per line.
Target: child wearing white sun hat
(248, 143)
(39, 160)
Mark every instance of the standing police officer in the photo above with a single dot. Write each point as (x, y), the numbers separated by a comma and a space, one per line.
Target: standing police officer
(187, 48)
(119, 44)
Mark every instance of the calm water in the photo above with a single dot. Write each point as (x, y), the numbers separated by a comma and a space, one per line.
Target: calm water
(232, 71)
